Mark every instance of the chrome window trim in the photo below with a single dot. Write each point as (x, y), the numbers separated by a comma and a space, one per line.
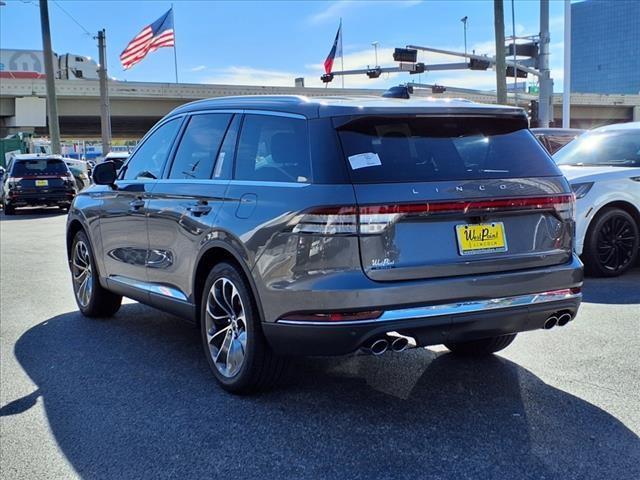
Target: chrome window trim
(192, 181)
(272, 113)
(259, 183)
(458, 308)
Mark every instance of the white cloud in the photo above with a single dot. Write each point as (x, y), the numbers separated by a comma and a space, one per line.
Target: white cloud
(241, 75)
(337, 8)
(199, 68)
(332, 12)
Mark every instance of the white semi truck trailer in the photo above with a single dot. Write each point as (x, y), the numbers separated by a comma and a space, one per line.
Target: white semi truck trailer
(30, 64)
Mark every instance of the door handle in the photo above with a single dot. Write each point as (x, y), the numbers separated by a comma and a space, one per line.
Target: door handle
(200, 208)
(136, 204)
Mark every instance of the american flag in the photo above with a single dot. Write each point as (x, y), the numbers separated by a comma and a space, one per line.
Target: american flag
(157, 35)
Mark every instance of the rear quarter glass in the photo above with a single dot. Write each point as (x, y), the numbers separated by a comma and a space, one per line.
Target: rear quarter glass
(424, 149)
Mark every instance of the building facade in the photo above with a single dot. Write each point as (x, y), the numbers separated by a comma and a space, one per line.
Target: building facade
(605, 46)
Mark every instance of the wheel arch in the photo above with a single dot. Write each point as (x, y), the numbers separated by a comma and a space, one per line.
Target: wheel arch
(624, 205)
(75, 225)
(210, 256)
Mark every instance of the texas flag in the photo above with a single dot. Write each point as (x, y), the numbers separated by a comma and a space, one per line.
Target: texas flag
(335, 50)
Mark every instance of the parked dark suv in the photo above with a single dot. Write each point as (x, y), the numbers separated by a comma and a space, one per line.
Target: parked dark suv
(37, 180)
(296, 226)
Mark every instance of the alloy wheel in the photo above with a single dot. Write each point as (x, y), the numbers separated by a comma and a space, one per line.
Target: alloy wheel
(82, 274)
(226, 327)
(615, 243)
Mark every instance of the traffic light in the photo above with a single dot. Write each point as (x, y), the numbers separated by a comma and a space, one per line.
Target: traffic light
(327, 77)
(374, 73)
(418, 68)
(477, 64)
(405, 55)
(521, 73)
(523, 50)
(533, 113)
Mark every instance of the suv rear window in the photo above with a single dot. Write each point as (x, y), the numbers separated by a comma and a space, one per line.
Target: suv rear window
(23, 168)
(423, 149)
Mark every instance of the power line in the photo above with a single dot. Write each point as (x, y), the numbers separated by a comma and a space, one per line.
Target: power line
(87, 32)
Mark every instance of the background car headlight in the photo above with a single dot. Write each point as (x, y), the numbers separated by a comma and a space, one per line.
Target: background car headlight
(581, 189)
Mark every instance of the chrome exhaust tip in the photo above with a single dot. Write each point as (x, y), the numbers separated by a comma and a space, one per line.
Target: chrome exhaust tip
(378, 347)
(564, 319)
(399, 344)
(551, 322)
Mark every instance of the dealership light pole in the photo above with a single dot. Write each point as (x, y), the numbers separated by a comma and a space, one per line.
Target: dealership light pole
(566, 87)
(52, 102)
(546, 84)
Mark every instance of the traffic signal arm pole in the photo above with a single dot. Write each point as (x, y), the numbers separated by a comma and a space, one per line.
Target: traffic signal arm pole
(491, 60)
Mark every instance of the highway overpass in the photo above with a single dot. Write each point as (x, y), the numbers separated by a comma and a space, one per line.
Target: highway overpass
(136, 106)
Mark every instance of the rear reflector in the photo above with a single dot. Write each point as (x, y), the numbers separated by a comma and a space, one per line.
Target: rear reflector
(373, 219)
(333, 317)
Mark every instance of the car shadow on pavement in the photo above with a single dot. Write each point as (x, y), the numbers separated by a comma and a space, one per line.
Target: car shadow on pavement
(623, 290)
(132, 397)
(30, 213)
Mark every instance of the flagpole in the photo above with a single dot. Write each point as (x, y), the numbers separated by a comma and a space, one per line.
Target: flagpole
(175, 54)
(341, 53)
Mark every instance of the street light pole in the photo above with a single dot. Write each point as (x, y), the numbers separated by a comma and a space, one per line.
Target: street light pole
(464, 22)
(375, 47)
(52, 102)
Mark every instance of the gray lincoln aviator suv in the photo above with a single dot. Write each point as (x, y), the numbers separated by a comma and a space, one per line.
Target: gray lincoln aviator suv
(287, 225)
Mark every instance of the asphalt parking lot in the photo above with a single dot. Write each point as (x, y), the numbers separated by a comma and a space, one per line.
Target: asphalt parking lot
(132, 397)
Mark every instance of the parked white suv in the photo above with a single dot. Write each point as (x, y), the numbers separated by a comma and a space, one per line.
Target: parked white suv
(603, 167)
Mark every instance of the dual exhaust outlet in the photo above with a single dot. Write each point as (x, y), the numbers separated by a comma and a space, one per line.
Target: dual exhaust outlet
(380, 345)
(559, 318)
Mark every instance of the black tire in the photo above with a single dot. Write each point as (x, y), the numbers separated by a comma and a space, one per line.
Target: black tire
(611, 243)
(482, 347)
(260, 367)
(99, 301)
(9, 209)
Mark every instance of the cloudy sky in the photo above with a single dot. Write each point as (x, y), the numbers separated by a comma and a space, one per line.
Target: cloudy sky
(272, 42)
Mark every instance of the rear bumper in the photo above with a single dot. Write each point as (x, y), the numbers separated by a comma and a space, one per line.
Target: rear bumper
(432, 328)
(18, 199)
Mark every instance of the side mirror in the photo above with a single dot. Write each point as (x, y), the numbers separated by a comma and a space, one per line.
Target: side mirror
(105, 173)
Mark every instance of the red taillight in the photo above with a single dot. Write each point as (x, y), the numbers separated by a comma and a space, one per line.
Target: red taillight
(333, 317)
(373, 219)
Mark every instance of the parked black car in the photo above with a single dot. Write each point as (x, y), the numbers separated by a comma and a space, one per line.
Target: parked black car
(37, 180)
(296, 226)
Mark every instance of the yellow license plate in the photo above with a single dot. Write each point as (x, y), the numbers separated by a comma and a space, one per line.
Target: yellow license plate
(42, 183)
(481, 238)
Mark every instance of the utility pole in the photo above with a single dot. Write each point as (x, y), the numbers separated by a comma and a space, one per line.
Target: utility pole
(566, 88)
(52, 102)
(546, 84)
(105, 109)
(501, 66)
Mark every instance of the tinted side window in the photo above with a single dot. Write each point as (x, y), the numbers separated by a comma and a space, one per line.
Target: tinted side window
(273, 149)
(148, 160)
(199, 146)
